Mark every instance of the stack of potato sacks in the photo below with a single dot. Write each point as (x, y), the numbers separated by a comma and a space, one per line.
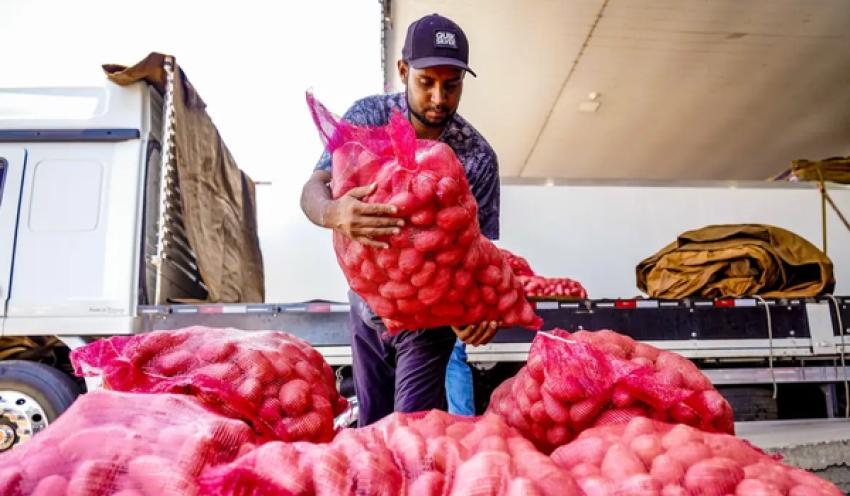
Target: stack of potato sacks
(223, 412)
(229, 412)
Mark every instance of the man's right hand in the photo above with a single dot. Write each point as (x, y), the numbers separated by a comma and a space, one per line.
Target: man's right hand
(362, 222)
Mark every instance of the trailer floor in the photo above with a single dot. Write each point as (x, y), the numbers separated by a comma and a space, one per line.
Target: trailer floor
(821, 446)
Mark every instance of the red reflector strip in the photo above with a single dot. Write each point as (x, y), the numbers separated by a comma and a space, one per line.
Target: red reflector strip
(625, 304)
(318, 308)
(736, 302)
(211, 309)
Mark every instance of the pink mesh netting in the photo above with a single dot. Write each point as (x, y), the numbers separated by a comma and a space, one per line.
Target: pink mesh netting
(519, 265)
(110, 443)
(275, 381)
(539, 286)
(648, 457)
(575, 381)
(439, 270)
(424, 454)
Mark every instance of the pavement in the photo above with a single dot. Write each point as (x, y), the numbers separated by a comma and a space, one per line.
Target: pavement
(821, 446)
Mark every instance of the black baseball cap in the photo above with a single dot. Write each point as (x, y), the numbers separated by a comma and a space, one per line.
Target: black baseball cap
(436, 41)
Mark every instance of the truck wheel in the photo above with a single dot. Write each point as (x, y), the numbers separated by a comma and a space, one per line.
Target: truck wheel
(32, 395)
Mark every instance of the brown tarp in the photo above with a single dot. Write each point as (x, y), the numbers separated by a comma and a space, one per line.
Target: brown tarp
(835, 170)
(737, 260)
(219, 206)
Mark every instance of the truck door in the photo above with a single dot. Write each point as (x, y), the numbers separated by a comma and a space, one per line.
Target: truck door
(12, 161)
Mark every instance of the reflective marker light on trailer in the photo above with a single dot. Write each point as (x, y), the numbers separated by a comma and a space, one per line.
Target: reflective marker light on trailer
(631, 304)
(211, 309)
(316, 308)
(320, 308)
(735, 302)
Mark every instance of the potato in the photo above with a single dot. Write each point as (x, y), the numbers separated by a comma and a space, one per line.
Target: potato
(268, 460)
(647, 447)
(766, 471)
(177, 362)
(803, 478)
(620, 463)
(107, 442)
(585, 470)
(802, 490)
(675, 491)
(755, 487)
(735, 449)
(583, 412)
(713, 477)
(689, 453)
(667, 470)
(558, 435)
(483, 474)
(679, 435)
(493, 444)
(619, 416)
(565, 389)
(155, 476)
(10, 480)
(638, 427)
(639, 485)
(375, 476)
(294, 397)
(329, 474)
(427, 484)
(444, 454)
(94, 478)
(410, 449)
(556, 410)
(522, 487)
(224, 372)
(596, 486)
(252, 390)
(47, 463)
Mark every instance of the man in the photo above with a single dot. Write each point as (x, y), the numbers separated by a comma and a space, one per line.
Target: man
(407, 372)
(460, 390)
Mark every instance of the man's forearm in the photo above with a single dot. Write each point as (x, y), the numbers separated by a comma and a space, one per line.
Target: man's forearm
(315, 198)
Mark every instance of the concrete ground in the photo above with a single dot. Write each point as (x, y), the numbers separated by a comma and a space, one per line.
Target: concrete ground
(821, 446)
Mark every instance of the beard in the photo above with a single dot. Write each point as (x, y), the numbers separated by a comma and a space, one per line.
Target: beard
(421, 117)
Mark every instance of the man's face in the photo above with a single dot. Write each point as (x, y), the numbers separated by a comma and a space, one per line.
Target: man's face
(433, 94)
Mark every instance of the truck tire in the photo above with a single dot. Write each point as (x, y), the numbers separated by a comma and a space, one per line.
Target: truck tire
(36, 395)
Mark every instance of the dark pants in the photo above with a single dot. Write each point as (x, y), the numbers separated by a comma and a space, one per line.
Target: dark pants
(401, 373)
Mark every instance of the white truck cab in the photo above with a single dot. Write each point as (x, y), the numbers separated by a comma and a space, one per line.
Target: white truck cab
(90, 229)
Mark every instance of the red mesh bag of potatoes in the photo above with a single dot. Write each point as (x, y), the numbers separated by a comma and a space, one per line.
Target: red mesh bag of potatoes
(519, 265)
(559, 287)
(538, 286)
(585, 379)
(275, 381)
(421, 454)
(439, 270)
(649, 457)
(111, 443)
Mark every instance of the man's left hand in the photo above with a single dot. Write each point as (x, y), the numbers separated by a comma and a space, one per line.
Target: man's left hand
(477, 334)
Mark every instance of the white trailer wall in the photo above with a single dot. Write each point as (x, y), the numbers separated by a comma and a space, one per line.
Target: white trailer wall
(594, 232)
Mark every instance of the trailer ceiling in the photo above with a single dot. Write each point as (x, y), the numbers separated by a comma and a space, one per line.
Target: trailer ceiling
(688, 89)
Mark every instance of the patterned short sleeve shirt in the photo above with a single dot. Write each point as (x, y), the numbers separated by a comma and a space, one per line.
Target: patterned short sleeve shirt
(477, 156)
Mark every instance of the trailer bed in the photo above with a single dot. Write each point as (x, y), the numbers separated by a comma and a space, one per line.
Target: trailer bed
(805, 332)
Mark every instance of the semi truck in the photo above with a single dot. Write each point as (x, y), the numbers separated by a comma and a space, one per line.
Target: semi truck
(95, 242)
